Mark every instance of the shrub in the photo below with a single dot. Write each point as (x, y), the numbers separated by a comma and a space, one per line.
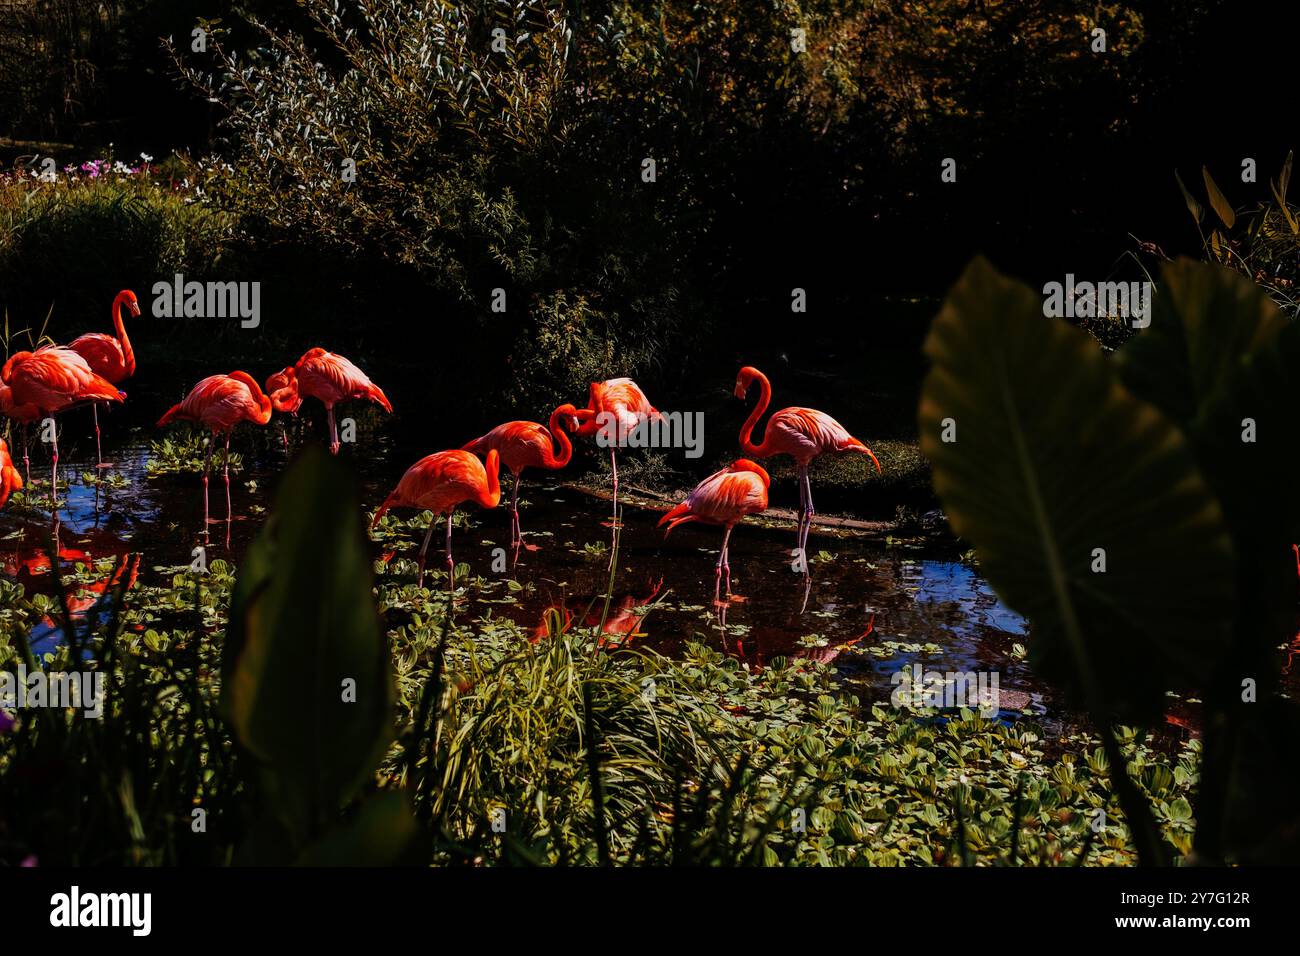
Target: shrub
(81, 238)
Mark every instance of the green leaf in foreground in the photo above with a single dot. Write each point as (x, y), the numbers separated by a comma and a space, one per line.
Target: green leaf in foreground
(1223, 362)
(307, 675)
(1056, 473)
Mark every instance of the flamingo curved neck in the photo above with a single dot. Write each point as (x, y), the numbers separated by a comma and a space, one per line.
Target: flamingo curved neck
(561, 439)
(492, 497)
(264, 404)
(747, 429)
(119, 326)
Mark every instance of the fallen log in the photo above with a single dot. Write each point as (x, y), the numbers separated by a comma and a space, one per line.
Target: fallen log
(783, 518)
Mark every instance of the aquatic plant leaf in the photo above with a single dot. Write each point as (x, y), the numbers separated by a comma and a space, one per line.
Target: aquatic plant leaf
(1055, 472)
(307, 675)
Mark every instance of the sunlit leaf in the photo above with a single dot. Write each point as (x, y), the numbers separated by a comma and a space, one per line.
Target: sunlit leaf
(1222, 208)
(1194, 207)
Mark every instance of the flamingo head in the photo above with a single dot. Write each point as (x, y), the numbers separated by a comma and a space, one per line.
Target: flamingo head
(567, 416)
(745, 464)
(6, 373)
(282, 386)
(127, 298)
(744, 379)
(586, 419)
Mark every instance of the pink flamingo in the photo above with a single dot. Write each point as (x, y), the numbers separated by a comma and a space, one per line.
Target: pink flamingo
(109, 357)
(438, 483)
(279, 382)
(219, 403)
(24, 415)
(614, 408)
(528, 445)
(328, 377)
(9, 479)
(54, 379)
(724, 498)
(802, 433)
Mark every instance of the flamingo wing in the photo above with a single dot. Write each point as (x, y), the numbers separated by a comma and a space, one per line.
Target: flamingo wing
(11, 409)
(103, 354)
(806, 433)
(520, 444)
(438, 483)
(727, 496)
(219, 402)
(620, 398)
(54, 378)
(333, 378)
(724, 497)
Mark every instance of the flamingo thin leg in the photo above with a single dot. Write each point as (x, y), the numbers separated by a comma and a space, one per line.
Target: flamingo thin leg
(428, 536)
(726, 565)
(207, 464)
(516, 532)
(807, 485)
(613, 467)
(334, 431)
(803, 513)
(228, 514)
(451, 565)
(99, 454)
(54, 475)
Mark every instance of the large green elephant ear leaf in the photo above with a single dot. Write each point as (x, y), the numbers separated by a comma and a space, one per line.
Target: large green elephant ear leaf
(379, 832)
(307, 673)
(1085, 505)
(1223, 362)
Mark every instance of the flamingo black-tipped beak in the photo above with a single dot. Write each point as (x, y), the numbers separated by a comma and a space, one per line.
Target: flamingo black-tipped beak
(873, 458)
(134, 308)
(740, 390)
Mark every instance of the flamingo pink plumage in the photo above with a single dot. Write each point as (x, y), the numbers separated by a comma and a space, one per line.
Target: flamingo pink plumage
(219, 403)
(110, 357)
(724, 498)
(54, 379)
(802, 433)
(614, 408)
(438, 483)
(528, 445)
(328, 377)
(9, 478)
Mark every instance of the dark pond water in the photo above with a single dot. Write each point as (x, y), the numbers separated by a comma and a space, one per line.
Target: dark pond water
(869, 606)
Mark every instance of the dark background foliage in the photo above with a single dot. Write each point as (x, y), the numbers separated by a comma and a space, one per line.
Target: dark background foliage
(776, 170)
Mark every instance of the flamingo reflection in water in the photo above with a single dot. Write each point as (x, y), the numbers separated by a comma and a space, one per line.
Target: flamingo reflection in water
(621, 623)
